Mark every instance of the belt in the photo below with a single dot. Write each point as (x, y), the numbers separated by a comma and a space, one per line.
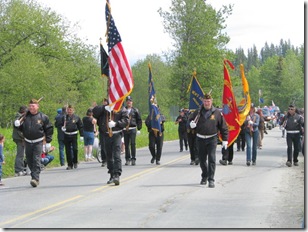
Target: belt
(35, 140)
(130, 128)
(205, 136)
(292, 132)
(114, 132)
(71, 133)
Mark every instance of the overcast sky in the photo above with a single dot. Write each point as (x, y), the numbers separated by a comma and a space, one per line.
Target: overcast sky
(141, 29)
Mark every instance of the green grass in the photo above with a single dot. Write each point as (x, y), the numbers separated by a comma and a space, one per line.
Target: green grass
(171, 133)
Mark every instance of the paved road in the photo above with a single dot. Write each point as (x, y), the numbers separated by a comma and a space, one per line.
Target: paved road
(268, 195)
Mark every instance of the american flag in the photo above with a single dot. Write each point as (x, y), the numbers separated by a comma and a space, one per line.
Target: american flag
(120, 73)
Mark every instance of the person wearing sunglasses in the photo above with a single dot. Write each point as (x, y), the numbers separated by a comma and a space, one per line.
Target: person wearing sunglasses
(293, 124)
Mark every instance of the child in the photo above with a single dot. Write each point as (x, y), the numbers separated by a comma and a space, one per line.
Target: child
(2, 139)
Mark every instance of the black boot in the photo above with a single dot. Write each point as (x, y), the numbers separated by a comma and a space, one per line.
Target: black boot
(116, 180)
(111, 180)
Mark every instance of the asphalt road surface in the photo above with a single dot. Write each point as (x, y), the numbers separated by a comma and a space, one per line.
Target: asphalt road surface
(268, 195)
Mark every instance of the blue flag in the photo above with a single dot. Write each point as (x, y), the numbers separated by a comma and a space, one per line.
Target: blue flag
(153, 108)
(196, 94)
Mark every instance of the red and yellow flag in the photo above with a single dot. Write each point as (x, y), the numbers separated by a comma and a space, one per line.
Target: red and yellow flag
(229, 107)
(245, 103)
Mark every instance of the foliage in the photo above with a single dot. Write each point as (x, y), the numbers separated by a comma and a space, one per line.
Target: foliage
(40, 57)
(161, 75)
(196, 29)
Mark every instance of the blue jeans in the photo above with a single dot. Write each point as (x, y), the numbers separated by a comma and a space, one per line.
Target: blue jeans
(61, 151)
(254, 143)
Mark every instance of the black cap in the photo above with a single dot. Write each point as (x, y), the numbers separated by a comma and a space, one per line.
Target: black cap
(129, 98)
(207, 96)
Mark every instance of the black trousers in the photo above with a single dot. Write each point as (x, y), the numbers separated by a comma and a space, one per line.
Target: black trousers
(33, 156)
(113, 153)
(227, 154)
(207, 157)
(192, 143)
(156, 145)
(71, 149)
(103, 147)
(241, 141)
(293, 140)
(183, 139)
(130, 144)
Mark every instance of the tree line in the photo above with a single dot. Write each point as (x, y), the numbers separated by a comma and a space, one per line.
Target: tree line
(41, 56)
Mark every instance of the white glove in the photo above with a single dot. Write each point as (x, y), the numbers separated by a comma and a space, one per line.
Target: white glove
(111, 124)
(138, 132)
(47, 147)
(225, 144)
(63, 128)
(17, 123)
(81, 139)
(109, 108)
(192, 124)
(250, 122)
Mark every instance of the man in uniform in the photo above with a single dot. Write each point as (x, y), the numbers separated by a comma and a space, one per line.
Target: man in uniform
(58, 125)
(181, 120)
(130, 132)
(293, 124)
(71, 124)
(18, 138)
(35, 126)
(156, 139)
(208, 120)
(111, 125)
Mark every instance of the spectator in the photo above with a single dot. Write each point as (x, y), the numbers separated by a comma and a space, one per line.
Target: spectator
(46, 158)
(2, 161)
(89, 130)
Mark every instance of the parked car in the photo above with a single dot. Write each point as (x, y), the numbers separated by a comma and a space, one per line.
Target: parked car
(268, 118)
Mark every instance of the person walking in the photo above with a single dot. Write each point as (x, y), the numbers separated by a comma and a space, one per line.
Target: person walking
(60, 134)
(2, 161)
(181, 121)
(192, 143)
(101, 128)
(71, 124)
(293, 124)
(130, 132)
(227, 155)
(18, 139)
(252, 136)
(35, 126)
(240, 140)
(89, 130)
(156, 139)
(261, 127)
(208, 121)
(111, 125)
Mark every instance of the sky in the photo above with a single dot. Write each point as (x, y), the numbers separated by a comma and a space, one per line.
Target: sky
(142, 32)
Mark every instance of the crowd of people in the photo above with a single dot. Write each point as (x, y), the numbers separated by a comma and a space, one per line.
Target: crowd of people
(197, 131)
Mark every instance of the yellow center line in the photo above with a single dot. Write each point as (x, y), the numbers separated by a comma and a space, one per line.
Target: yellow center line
(60, 205)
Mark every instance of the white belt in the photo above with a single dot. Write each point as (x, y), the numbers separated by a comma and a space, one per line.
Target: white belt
(130, 128)
(292, 132)
(114, 132)
(205, 136)
(35, 140)
(71, 133)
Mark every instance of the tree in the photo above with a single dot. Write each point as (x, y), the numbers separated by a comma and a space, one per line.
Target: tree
(196, 29)
(40, 56)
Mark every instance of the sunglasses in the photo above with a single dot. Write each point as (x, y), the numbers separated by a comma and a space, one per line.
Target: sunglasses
(291, 108)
